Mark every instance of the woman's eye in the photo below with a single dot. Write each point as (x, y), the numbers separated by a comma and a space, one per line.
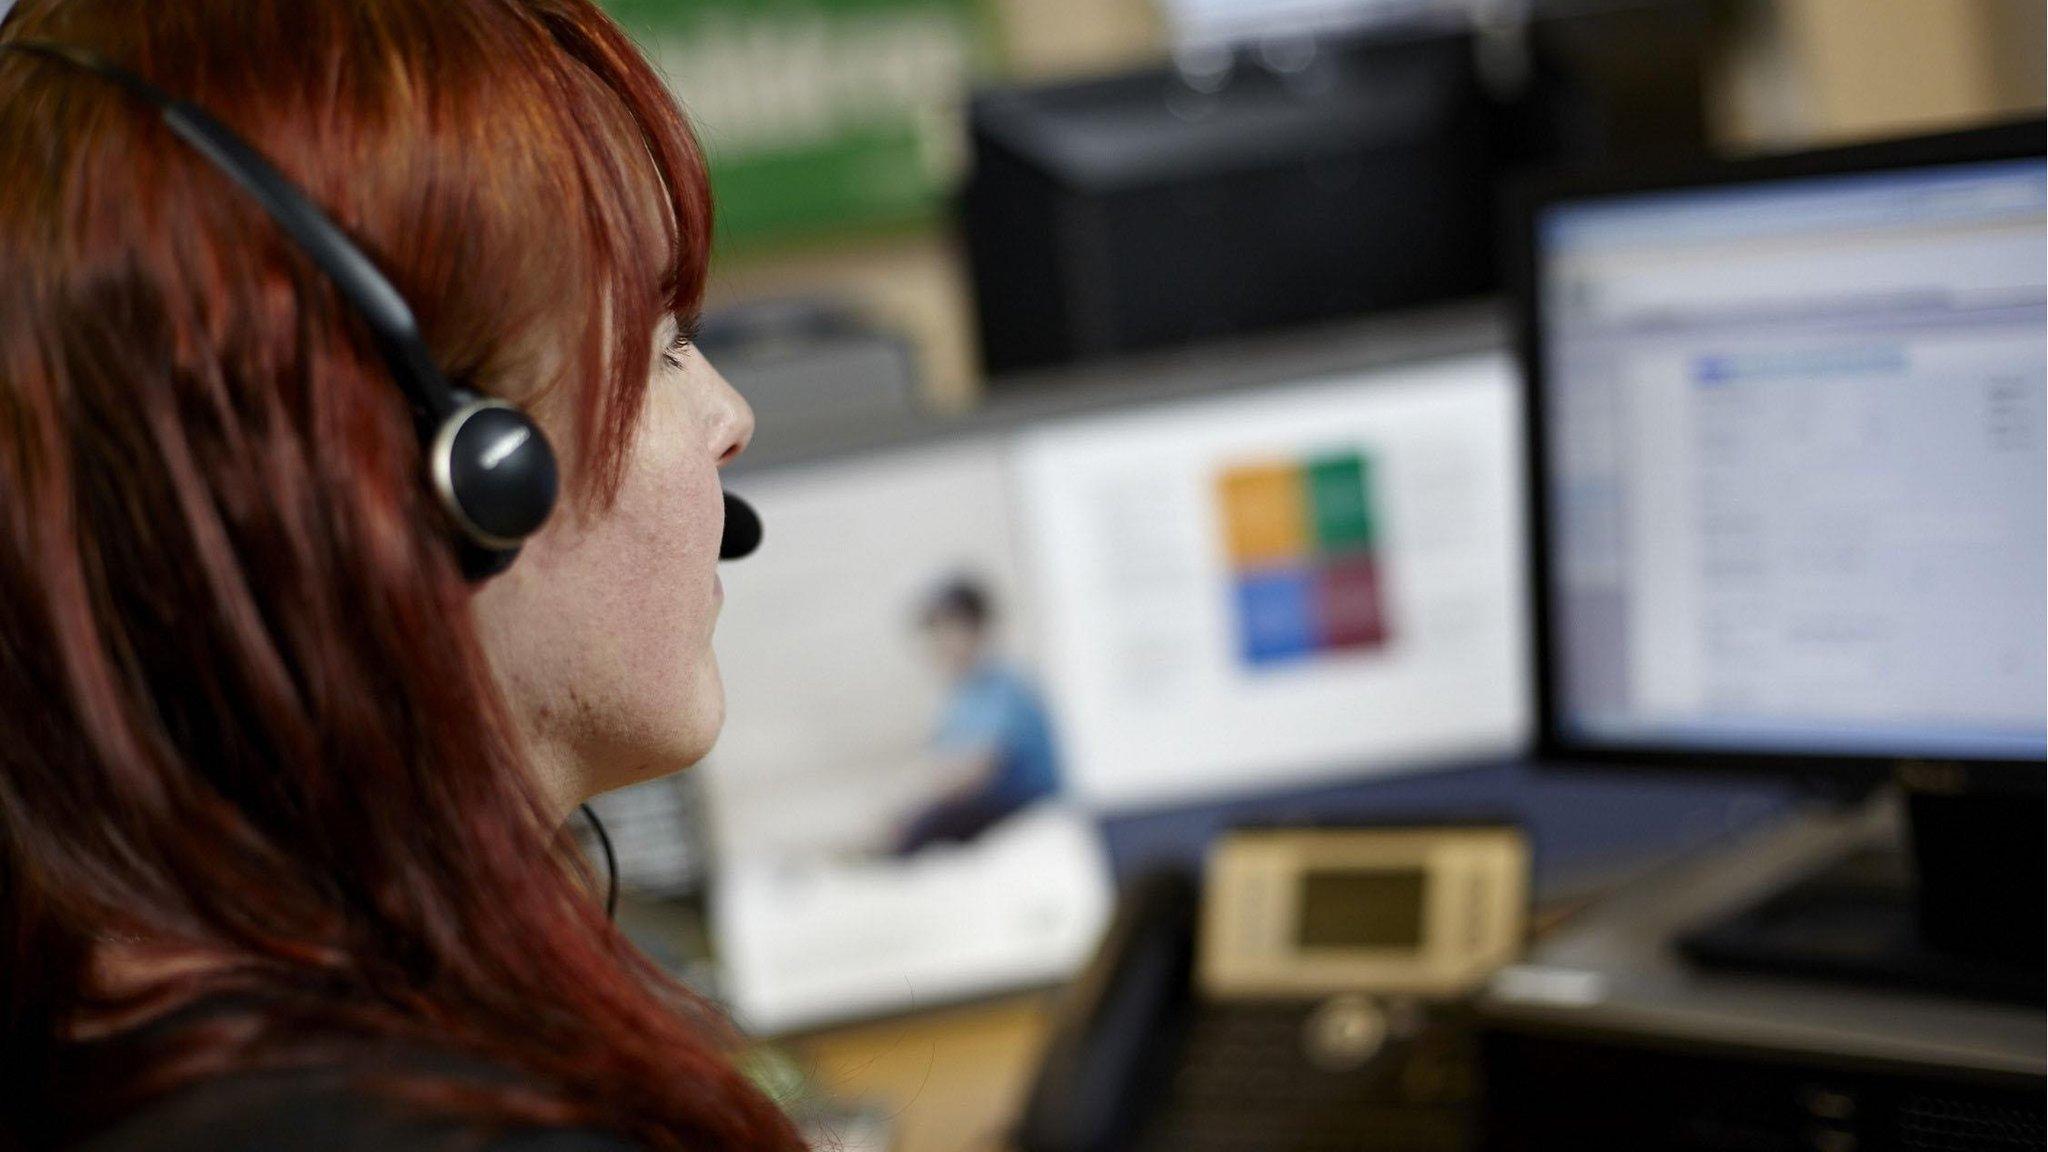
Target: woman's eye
(685, 336)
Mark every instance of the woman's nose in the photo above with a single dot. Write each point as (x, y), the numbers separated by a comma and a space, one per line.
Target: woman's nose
(736, 420)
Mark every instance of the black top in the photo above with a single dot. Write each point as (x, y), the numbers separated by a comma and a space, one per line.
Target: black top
(314, 1111)
(321, 1109)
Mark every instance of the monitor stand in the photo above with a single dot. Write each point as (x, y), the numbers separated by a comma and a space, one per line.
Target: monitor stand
(1956, 911)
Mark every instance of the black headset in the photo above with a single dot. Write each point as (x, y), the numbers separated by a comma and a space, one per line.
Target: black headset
(491, 468)
(489, 465)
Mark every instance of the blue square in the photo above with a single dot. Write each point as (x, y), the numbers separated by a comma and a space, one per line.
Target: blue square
(1276, 615)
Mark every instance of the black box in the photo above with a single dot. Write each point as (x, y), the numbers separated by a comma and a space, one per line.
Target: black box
(1136, 212)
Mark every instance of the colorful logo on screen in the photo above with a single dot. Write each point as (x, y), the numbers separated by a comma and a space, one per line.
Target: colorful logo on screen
(1303, 544)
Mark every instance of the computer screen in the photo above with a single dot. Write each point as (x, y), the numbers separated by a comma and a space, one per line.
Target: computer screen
(1305, 583)
(892, 825)
(1791, 464)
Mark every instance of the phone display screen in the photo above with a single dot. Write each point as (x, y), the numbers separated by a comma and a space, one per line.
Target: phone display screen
(1381, 908)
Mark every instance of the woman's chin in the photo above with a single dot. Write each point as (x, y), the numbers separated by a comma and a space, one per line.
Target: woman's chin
(683, 740)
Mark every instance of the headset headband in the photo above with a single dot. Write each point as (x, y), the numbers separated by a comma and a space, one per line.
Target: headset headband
(489, 463)
(354, 276)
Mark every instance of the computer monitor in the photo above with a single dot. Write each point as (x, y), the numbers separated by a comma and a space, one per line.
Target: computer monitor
(1183, 598)
(1788, 470)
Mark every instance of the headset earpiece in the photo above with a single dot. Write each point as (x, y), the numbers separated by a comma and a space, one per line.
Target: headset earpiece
(493, 471)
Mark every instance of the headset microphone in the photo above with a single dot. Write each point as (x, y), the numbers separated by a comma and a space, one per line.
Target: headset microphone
(742, 529)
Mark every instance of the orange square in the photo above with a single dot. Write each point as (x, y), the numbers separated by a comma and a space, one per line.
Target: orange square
(1265, 514)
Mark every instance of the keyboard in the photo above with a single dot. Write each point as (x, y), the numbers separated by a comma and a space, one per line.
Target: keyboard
(1298, 1077)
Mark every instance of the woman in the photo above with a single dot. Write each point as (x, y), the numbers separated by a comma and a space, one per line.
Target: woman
(280, 790)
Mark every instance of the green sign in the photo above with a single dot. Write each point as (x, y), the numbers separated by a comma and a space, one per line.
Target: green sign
(820, 116)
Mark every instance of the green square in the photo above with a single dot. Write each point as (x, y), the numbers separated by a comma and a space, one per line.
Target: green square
(1340, 488)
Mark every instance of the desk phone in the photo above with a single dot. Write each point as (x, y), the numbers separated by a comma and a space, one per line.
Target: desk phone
(1421, 911)
(1307, 994)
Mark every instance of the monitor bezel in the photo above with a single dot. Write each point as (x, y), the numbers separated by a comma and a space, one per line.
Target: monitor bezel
(1554, 744)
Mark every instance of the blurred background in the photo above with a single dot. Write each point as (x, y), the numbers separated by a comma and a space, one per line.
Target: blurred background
(843, 145)
(1145, 449)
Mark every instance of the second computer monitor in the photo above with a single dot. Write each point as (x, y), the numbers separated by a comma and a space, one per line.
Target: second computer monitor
(1790, 467)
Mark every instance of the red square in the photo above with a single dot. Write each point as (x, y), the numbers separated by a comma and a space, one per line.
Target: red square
(1350, 611)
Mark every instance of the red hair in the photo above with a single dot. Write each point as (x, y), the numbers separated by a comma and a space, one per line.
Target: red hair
(244, 712)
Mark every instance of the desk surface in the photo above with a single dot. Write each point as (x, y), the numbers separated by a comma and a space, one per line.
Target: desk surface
(1613, 970)
(950, 1081)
